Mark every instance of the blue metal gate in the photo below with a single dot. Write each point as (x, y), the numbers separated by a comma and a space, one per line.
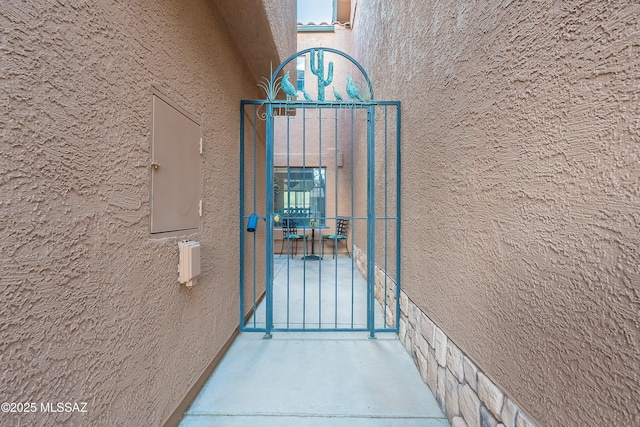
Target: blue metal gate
(319, 201)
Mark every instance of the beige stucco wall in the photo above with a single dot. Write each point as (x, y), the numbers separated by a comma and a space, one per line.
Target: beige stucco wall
(254, 254)
(91, 307)
(260, 41)
(520, 190)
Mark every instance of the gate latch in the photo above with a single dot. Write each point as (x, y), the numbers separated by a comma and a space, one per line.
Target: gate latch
(253, 223)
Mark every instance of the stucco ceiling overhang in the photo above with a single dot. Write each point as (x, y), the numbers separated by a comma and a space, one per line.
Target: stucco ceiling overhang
(264, 31)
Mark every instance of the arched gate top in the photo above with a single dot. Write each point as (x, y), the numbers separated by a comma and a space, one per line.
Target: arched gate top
(317, 68)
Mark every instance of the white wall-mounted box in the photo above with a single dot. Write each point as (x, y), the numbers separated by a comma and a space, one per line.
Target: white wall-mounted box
(189, 264)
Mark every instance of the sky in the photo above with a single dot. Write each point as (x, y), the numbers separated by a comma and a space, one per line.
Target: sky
(315, 11)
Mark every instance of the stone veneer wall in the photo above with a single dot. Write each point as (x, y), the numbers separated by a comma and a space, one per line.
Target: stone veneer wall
(381, 287)
(466, 395)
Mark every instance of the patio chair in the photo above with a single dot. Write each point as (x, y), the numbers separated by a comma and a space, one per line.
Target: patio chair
(342, 231)
(290, 233)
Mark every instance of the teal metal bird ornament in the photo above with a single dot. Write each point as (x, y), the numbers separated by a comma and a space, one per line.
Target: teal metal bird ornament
(288, 88)
(337, 95)
(306, 95)
(352, 89)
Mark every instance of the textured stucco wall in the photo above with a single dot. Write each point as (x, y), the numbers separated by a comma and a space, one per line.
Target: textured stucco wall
(254, 254)
(245, 20)
(521, 194)
(281, 14)
(91, 307)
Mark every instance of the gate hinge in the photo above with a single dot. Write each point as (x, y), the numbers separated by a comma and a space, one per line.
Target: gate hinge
(200, 145)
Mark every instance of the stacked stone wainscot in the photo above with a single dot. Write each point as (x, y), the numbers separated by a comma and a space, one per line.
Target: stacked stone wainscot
(467, 396)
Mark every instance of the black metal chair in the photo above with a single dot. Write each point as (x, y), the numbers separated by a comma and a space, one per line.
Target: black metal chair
(342, 231)
(290, 234)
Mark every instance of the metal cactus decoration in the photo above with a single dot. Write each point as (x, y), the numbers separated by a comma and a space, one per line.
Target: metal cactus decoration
(317, 68)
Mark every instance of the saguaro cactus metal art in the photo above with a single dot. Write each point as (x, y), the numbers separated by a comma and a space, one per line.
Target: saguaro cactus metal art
(317, 68)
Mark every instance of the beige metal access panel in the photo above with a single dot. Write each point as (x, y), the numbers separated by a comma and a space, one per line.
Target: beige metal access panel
(175, 169)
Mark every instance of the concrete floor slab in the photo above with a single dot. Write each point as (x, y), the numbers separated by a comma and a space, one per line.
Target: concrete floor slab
(315, 379)
(307, 421)
(322, 378)
(326, 294)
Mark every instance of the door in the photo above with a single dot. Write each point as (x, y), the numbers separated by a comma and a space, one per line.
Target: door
(322, 177)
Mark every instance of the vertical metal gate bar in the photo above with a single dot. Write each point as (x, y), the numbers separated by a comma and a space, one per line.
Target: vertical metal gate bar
(335, 249)
(287, 214)
(371, 214)
(398, 210)
(304, 260)
(315, 213)
(385, 220)
(353, 222)
(241, 217)
(289, 206)
(269, 221)
(255, 243)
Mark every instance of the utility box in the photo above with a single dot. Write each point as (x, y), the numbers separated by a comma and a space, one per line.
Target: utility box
(175, 169)
(189, 265)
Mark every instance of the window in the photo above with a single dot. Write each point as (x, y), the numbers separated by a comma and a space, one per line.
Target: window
(299, 193)
(300, 68)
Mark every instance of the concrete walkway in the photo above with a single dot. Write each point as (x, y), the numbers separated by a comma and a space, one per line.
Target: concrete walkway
(315, 379)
